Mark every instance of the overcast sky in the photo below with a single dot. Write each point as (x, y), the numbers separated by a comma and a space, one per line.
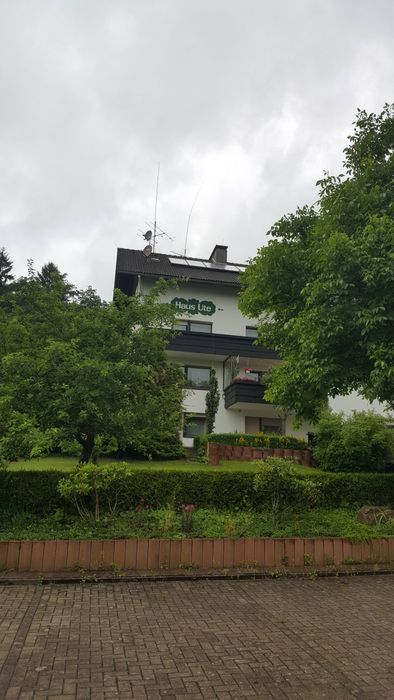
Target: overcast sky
(249, 100)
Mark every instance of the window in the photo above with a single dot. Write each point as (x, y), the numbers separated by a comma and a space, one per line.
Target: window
(180, 326)
(196, 327)
(251, 332)
(258, 376)
(252, 376)
(193, 425)
(275, 428)
(257, 424)
(197, 377)
(193, 326)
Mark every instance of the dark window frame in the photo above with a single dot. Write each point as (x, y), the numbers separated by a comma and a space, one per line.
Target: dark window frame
(188, 322)
(191, 386)
(191, 416)
(277, 423)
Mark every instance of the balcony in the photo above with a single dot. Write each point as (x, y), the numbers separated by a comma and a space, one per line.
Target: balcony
(219, 344)
(242, 391)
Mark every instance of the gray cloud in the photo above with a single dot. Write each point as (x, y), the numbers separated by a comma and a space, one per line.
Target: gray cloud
(253, 99)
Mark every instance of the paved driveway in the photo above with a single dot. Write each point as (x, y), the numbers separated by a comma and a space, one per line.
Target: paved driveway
(329, 638)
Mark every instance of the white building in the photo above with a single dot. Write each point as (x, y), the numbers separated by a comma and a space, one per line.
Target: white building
(214, 334)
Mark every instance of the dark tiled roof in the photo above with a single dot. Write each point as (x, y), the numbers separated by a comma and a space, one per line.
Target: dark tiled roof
(134, 262)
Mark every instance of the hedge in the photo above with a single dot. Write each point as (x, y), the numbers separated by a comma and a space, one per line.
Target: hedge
(36, 491)
(258, 440)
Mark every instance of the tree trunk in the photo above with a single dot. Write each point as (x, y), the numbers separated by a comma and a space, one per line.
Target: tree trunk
(86, 440)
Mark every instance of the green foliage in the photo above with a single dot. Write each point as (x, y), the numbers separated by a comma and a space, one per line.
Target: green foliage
(6, 276)
(257, 440)
(98, 373)
(92, 489)
(360, 442)
(30, 491)
(37, 492)
(279, 487)
(316, 522)
(52, 279)
(212, 401)
(21, 437)
(323, 287)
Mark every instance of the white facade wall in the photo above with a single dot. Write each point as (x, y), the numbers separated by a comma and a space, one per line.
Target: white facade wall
(233, 419)
(354, 402)
(228, 320)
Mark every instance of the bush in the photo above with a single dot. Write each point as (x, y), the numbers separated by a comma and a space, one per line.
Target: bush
(361, 442)
(258, 440)
(22, 438)
(37, 492)
(93, 489)
(279, 487)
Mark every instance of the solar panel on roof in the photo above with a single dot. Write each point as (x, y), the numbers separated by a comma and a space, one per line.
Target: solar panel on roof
(229, 267)
(179, 261)
(197, 263)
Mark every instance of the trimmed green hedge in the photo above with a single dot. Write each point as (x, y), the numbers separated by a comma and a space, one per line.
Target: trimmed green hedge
(258, 440)
(36, 492)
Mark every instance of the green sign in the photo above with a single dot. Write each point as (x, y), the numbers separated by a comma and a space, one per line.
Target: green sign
(194, 306)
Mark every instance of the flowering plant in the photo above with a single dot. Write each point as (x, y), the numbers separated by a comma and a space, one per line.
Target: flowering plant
(187, 516)
(140, 511)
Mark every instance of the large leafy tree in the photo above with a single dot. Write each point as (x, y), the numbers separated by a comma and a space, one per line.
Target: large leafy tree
(92, 372)
(323, 288)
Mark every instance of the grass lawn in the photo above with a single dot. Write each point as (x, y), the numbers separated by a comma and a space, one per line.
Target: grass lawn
(167, 523)
(66, 464)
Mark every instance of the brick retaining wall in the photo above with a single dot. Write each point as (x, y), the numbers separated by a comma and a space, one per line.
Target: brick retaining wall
(218, 452)
(160, 555)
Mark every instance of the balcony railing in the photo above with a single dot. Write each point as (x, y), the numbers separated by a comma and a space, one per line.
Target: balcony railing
(242, 391)
(219, 344)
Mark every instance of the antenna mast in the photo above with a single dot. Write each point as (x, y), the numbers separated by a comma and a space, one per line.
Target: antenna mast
(190, 216)
(157, 196)
(151, 236)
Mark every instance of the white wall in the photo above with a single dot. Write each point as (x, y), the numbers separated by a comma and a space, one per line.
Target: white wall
(355, 402)
(233, 419)
(227, 318)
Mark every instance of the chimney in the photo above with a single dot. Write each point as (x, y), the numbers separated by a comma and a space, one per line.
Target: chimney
(219, 254)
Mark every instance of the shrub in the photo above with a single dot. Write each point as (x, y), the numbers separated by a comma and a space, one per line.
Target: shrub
(258, 440)
(278, 487)
(37, 492)
(92, 489)
(22, 438)
(361, 442)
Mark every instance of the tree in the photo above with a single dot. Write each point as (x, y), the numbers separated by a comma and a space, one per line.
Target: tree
(97, 374)
(52, 279)
(362, 442)
(323, 288)
(211, 401)
(6, 265)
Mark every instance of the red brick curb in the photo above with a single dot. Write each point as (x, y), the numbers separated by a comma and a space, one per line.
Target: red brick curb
(138, 555)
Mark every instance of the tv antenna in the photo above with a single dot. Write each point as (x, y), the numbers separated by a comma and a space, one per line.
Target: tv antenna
(151, 236)
(190, 216)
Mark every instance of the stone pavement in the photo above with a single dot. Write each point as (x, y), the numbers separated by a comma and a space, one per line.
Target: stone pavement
(328, 638)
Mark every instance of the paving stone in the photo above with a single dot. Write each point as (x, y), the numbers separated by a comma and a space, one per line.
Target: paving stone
(279, 639)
